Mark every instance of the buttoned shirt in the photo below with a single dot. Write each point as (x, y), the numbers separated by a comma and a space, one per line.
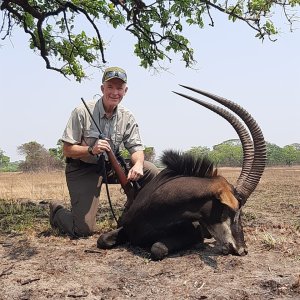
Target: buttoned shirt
(121, 129)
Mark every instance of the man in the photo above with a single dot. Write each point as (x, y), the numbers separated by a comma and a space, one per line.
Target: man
(82, 149)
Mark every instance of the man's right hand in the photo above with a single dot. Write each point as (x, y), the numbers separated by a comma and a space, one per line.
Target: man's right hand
(101, 146)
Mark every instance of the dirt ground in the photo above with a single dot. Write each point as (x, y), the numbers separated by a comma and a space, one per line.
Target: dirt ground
(43, 265)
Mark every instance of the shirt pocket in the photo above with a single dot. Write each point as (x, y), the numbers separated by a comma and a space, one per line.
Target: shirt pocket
(91, 133)
(119, 137)
(89, 137)
(116, 140)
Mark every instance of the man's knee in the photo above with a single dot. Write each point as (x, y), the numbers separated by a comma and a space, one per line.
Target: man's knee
(150, 171)
(83, 230)
(151, 167)
(84, 225)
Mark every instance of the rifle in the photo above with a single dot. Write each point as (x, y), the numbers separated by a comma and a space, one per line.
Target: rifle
(126, 185)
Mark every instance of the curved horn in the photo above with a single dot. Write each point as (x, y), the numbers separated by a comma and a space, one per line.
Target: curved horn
(246, 187)
(243, 134)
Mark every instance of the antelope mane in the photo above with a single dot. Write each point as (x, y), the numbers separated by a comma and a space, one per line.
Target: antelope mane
(187, 164)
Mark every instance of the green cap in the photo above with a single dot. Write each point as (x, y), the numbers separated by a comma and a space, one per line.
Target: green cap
(114, 72)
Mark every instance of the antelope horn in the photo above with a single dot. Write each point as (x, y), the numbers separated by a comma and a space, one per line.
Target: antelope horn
(239, 128)
(245, 187)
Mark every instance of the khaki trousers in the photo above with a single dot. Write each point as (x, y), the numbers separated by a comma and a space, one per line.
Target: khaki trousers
(84, 183)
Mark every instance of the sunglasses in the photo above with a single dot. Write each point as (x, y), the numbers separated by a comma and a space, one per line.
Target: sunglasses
(114, 74)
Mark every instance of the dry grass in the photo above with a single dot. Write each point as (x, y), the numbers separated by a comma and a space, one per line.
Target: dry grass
(33, 186)
(24, 199)
(41, 186)
(276, 199)
(280, 186)
(277, 195)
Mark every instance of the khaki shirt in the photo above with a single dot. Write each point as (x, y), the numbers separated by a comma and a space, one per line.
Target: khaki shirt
(121, 129)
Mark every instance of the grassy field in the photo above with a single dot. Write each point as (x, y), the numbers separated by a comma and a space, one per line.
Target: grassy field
(37, 263)
(277, 195)
(33, 186)
(24, 200)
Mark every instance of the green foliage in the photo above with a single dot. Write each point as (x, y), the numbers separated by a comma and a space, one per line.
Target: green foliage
(6, 165)
(57, 152)
(4, 160)
(199, 151)
(125, 153)
(18, 216)
(11, 167)
(291, 155)
(274, 154)
(230, 153)
(149, 153)
(296, 146)
(67, 34)
(227, 154)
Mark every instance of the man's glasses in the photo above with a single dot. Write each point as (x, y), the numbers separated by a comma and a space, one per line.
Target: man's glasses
(115, 74)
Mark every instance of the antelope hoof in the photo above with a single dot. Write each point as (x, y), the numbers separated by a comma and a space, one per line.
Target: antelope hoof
(159, 251)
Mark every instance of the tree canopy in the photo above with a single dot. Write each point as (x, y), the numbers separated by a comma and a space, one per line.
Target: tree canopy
(230, 154)
(4, 160)
(38, 158)
(227, 154)
(56, 28)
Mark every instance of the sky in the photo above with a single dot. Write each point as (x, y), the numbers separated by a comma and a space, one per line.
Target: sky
(264, 78)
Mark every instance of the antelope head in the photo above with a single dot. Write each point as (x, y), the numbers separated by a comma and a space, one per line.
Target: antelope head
(229, 233)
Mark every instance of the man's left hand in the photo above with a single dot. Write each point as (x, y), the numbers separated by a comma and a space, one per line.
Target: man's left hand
(135, 173)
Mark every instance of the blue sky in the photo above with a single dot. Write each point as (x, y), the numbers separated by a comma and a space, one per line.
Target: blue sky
(262, 77)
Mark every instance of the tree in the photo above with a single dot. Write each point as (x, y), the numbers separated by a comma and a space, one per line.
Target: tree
(228, 153)
(37, 158)
(4, 160)
(291, 155)
(6, 165)
(149, 153)
(57, 152)
(232, 142)
(56, 27)
(199, 151)
(274, 154)
(296, 146)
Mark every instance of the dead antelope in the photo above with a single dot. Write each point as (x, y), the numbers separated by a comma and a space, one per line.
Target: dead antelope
(188, 200)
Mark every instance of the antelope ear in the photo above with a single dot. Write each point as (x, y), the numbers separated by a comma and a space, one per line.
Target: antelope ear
(228, 199)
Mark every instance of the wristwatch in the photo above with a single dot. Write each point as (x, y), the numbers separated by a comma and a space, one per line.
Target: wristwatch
(90, 150)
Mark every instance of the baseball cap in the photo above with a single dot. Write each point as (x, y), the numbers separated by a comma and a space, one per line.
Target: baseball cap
(114, 72)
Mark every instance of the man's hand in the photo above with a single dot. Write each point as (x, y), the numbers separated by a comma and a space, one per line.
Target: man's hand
(136, 172)
(101, 146)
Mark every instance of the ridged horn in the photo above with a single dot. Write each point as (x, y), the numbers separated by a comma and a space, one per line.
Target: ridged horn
(243, 134)
(245, 187)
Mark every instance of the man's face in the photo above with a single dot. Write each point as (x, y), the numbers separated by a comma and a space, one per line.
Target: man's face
(113, 91)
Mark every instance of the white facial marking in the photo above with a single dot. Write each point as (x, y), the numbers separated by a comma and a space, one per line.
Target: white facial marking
(222, 233)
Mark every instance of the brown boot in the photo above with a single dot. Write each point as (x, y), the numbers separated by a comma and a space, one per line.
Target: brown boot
(53, 207)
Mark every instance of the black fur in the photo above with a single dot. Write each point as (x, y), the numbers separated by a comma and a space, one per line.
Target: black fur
(187, 164)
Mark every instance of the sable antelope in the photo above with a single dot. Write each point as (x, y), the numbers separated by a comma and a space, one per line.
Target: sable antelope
(187, 200)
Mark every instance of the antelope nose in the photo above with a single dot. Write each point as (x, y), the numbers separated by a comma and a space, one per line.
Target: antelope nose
(242, 251)
(225, 249)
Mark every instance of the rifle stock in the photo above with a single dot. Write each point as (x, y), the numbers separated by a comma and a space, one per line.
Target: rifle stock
(124, 182)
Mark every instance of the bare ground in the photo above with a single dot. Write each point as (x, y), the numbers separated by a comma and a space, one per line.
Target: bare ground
(43, 265)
